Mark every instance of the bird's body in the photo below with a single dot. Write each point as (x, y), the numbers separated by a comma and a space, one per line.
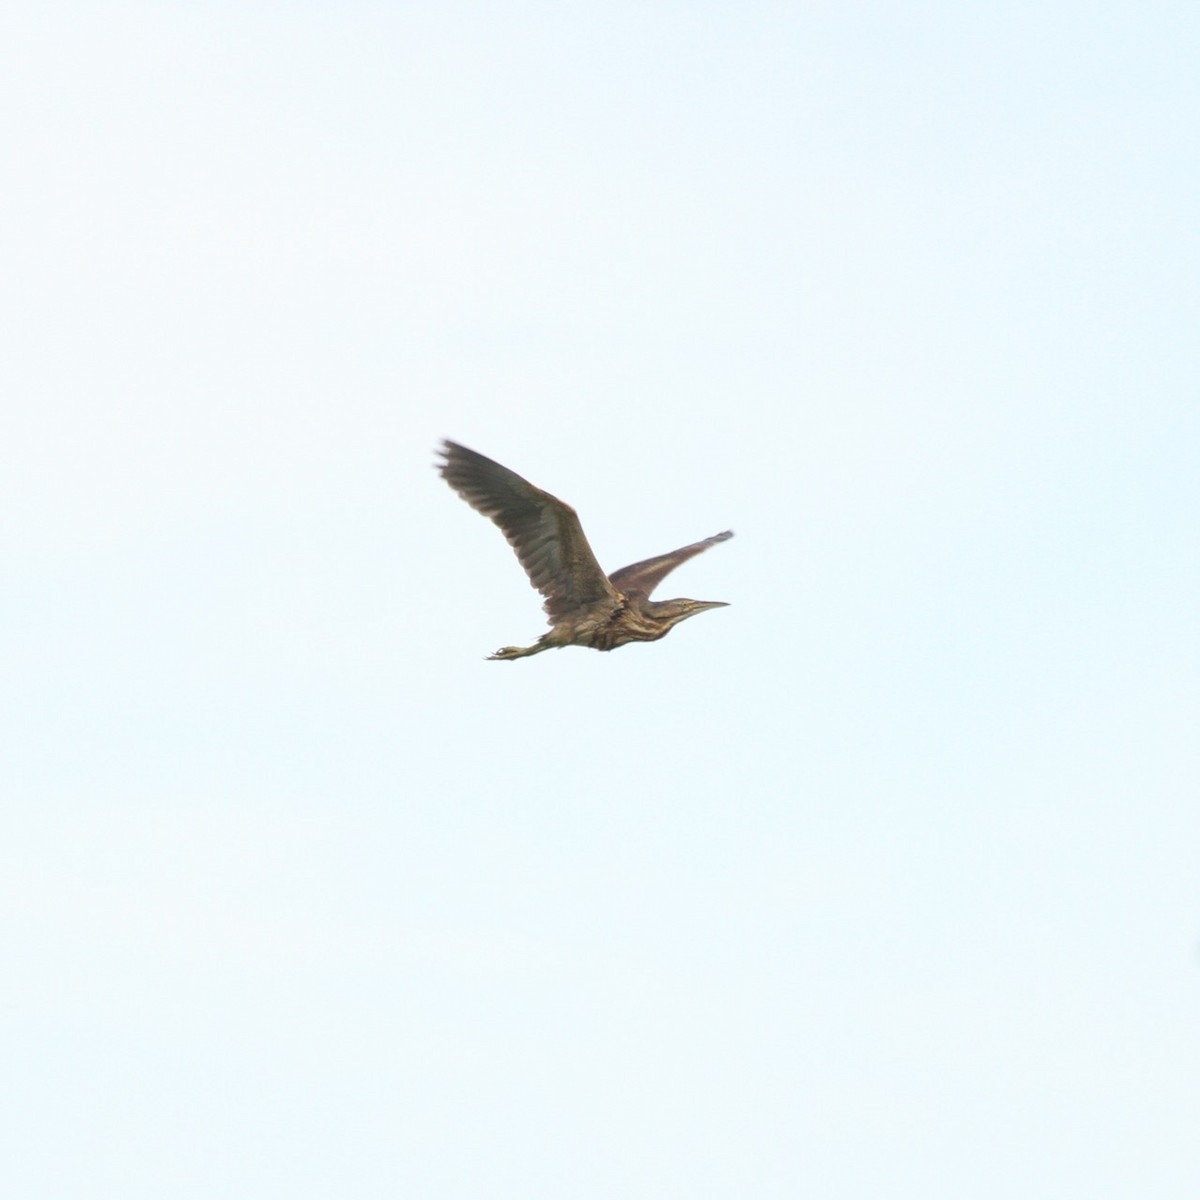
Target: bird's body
(585, 606)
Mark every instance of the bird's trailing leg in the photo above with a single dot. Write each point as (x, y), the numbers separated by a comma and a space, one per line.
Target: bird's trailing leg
(510, 652)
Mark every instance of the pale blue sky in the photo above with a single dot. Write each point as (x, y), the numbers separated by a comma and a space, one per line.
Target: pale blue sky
(882, 882)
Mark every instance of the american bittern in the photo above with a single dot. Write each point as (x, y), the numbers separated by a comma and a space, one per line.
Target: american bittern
(585, 606)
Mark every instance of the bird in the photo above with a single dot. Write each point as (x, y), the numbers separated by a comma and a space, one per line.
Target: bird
(585, 606)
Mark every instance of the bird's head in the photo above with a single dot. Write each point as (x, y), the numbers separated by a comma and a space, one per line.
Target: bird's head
(671, 612)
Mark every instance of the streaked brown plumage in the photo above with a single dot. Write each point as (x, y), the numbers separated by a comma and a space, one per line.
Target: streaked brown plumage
(585, 606)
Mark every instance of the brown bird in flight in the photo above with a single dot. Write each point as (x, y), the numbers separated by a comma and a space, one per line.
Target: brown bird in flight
(585, 606)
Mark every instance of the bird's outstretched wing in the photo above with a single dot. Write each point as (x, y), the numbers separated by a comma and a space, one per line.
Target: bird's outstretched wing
(645, 576)
(544, 532)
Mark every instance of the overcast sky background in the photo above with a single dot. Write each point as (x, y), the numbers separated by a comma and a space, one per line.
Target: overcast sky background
(882, 882)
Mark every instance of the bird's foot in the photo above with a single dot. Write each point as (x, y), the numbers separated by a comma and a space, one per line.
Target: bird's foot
(511, 652)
